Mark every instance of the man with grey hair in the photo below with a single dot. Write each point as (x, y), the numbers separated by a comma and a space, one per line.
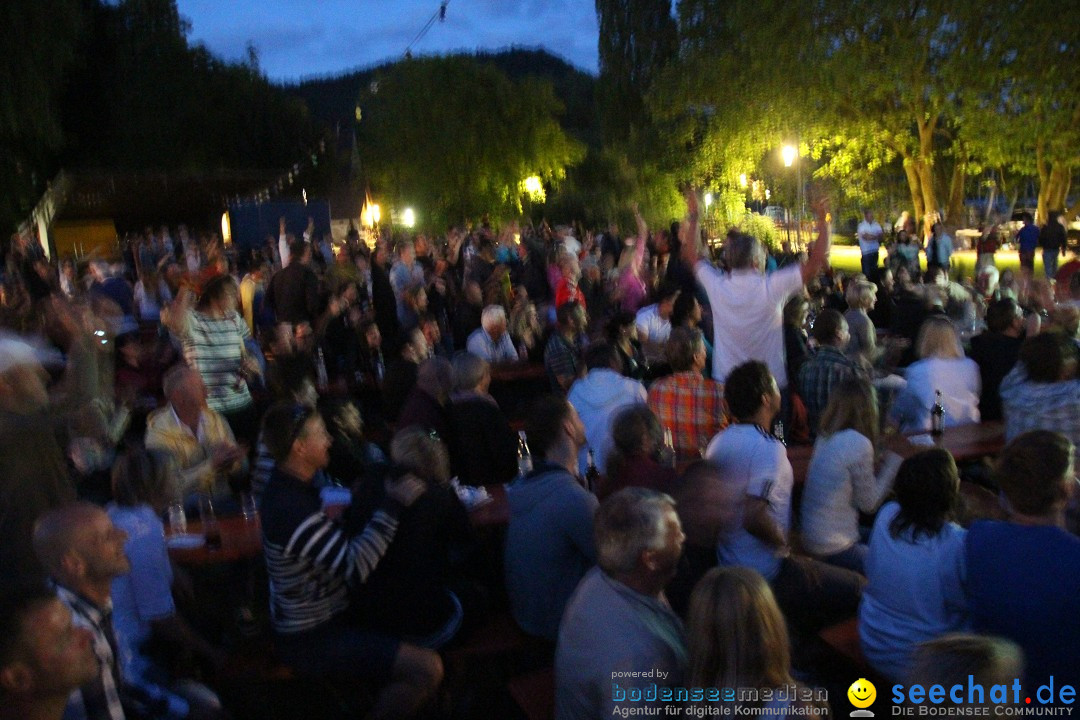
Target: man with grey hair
(483, 448)
(196, 438)
(747, 305)
(490, 341)
(618, 620)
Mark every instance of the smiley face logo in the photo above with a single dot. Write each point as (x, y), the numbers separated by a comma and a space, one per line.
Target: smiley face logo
(862, 693)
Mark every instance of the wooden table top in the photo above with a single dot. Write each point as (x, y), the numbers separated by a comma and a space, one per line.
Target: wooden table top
(965, 442)
(240, 540)
(494, 513)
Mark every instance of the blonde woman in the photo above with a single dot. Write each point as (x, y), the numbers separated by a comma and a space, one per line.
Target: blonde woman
(737, 636)
(842, 481)
(861, 298)
(942, 367)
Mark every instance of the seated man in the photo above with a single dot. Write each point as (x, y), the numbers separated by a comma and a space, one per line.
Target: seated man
(618, 619)
(1023, 575)
(483, 448)
(549, 539)
(996, 352)
(599, 396)
(198, 439)
(1042, 392)
(687, 403)
(84, 552)
(312, 564)
(490, 341)
(827, 367)
(562, 356)
(654, 321)
(755, 466)
(44, 656)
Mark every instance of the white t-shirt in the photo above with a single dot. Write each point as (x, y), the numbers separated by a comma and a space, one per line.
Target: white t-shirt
(748, 316)
(650, 326)
(960, 384)
(753, 461)
(869, 234)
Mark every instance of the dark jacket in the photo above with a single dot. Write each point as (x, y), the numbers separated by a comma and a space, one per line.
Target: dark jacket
(293, 294)
(483, 448)
(995, 354)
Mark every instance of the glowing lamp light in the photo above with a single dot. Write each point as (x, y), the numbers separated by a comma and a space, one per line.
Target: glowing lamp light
(708, 199)
(789, 152)
(743, 181)
(768, 193)
(534, 188)
(226, 228)
(408, 218)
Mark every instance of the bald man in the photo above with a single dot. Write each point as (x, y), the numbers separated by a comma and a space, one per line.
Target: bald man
(83, 552)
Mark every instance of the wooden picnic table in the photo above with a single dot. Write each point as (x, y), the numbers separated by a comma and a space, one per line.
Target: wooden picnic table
(965, 442)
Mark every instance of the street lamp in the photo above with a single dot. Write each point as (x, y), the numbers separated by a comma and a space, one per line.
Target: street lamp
(708, 200)
(789, 153)
(743, 181)
(408, 218)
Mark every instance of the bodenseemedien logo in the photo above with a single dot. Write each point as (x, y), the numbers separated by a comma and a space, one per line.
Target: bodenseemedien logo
(862, 695)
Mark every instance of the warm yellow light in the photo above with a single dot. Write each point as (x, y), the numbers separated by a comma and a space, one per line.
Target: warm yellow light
(768, 193)
(742, 181)
(534, 188)
(789, 152)
(370, 215)
(408, 218)
(226, 228)
(708, 199)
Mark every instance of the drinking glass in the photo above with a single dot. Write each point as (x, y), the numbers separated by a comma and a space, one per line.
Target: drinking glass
(248, 508)
(177, 519)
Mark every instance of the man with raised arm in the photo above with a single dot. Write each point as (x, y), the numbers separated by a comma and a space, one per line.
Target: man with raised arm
(747, 305)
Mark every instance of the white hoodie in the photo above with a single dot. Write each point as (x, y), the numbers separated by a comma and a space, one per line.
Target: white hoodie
(598, 397)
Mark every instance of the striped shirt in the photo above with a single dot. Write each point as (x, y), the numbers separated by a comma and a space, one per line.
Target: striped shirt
(215, 347)
(309, 558)
(110, 696)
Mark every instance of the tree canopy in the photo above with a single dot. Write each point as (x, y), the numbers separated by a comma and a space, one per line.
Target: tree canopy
(455, 138)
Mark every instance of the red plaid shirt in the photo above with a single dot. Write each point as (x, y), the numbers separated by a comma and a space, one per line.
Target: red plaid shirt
(692, 407)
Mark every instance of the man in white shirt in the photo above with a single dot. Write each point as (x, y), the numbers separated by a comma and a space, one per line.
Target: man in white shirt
(754, 465)
(870, 234)
(490, 341)
(654, 321)
(747, 305)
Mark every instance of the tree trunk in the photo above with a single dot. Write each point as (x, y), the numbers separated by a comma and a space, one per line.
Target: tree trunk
(1043, 169)
(924, 165)
(1058, 190)
(954, 211)
(914, 189)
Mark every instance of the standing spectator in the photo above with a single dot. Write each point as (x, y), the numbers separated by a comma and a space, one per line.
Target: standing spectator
(862, 345)
(796, 342)
(1023, 575)
(747, 305)
(939, 248)
(1027, 239)
(44, 656)
(491, 341)
(215, 344)
(654, 321)
(566, 287)
(870, 234)
(599, 395)
(915, 566)
(313, 564)
(685, 402)
(941, 367)
(841, 481)
(618, 620)
(996, 351)
(404, 274)
(549, 539)
(562, 357)
(989, 243)
(293, 294)
(827, 367)
(1052, 240)
(754, 467)
(1042, 391)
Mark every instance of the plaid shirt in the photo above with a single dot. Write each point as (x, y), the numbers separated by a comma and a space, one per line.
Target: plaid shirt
(1030, 405)
(106, 696)
(819, 374)
(561, 359)
(692, 407)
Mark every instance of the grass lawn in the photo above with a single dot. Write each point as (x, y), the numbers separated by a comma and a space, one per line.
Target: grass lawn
(848, 259)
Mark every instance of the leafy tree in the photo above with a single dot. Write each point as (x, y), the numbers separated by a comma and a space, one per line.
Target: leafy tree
(456, 138)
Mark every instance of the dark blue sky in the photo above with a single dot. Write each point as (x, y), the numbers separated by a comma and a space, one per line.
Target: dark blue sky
(300, 38)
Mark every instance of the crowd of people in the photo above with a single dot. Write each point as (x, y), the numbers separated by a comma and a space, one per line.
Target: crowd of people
(655, 523)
